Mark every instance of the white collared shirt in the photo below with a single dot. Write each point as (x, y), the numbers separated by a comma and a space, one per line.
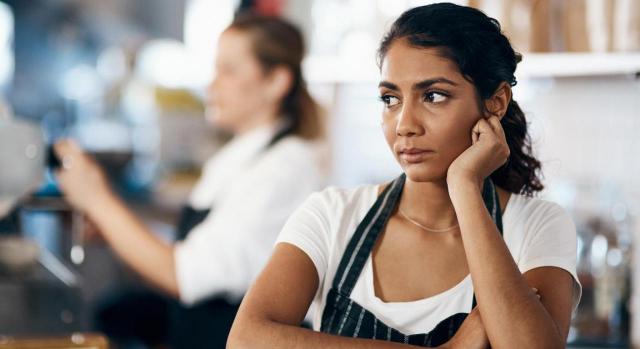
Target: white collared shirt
(251, 191)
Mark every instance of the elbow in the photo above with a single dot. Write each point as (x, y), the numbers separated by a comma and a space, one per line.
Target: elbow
(170, 287)
(552, 342)
(235, 340)
(559, 344)
(243, 335)
(539, 340)
(544, 344)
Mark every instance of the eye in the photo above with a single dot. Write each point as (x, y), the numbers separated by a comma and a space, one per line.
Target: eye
(435, 97)
(389, 101)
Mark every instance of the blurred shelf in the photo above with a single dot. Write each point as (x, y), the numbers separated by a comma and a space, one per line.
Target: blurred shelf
(578, 64)
(336, 70)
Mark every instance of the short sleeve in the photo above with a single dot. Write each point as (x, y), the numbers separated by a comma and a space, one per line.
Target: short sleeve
(551, 241)
(224, 254)
(309, 229)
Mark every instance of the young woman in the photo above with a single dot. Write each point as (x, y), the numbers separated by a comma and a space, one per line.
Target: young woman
(453, 251)
(246, 193)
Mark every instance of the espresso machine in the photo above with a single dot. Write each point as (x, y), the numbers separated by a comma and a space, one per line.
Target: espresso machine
(39, 289)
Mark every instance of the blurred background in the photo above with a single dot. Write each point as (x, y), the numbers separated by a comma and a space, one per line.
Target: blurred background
(127, 79)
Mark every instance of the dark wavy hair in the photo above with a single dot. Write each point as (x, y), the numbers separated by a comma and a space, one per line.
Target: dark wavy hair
(475, 42)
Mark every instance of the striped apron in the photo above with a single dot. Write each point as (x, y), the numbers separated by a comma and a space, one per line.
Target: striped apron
(344, 317)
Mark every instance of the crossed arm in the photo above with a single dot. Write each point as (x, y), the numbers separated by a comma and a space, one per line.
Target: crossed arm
(510, 315)
(274, 307)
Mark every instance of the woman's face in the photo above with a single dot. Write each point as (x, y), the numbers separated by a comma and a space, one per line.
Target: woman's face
(429, 110)
(236, 95)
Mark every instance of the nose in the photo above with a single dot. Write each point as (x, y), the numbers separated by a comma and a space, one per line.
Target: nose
(409, 122)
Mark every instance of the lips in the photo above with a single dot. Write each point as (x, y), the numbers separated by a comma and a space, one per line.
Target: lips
(415, 155)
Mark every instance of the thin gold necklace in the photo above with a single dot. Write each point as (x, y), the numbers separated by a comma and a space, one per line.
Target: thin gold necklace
(423, 227)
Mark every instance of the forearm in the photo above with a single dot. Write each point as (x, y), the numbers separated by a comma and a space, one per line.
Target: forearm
(511, 313)
(270, 334)
(134, 243)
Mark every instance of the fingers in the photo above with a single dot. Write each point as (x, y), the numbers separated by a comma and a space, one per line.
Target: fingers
(481, 127)
(494, 122)
(485, 125)
(488, 126)
(70, 154)
(475, 134)
(66, 147)
(65, 152)
(536, 292)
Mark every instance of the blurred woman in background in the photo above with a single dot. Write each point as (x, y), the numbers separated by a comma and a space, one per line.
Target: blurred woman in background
(246, 192)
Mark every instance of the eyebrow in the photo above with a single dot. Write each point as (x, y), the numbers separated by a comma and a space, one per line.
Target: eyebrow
(418, 85)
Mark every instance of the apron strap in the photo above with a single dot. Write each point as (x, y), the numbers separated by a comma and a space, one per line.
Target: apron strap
(188, 219)
(285, 131)
(365, 236)
(492, 201)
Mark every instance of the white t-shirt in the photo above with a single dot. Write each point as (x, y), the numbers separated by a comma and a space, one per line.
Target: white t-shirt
(537, 233)
(251, 192)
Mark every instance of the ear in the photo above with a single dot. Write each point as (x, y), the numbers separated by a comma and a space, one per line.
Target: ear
(279, 82)
(497, 104)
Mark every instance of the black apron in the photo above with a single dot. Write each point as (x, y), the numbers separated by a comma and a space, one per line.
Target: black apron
(344, 317)
(206, 324)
